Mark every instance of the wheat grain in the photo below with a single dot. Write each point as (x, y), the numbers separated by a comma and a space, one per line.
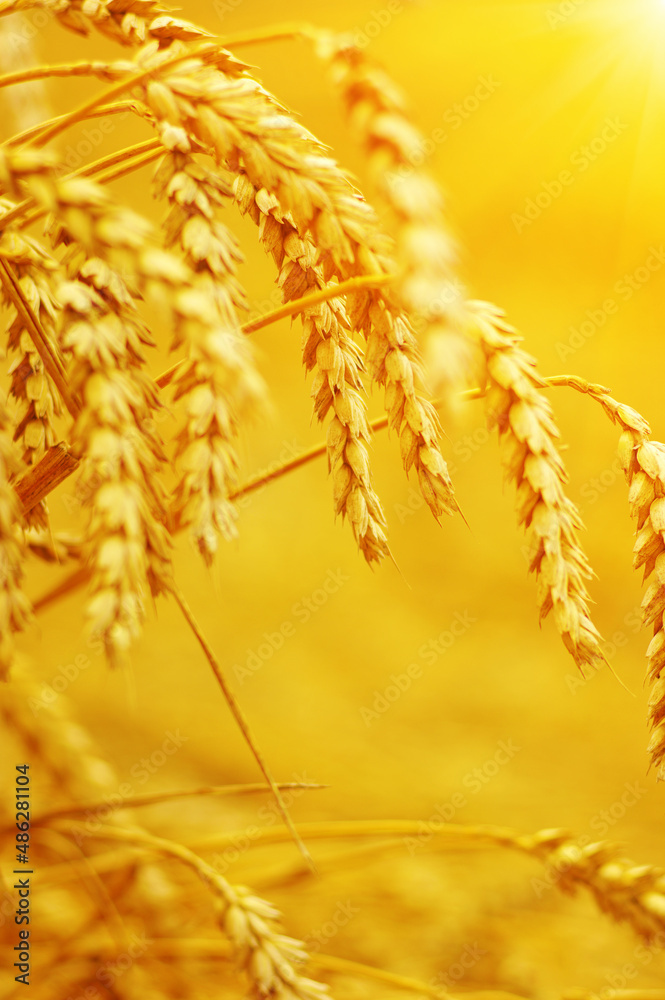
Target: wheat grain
(627, 892)
(528, 436)
(125, 537)
(129, 22)
(39, 403)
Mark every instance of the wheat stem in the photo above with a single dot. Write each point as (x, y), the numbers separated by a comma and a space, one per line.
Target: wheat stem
(344, 966)
(296, 306)
(118, 107)
(119, 88)
(58, 70)
(278, 33)
(103, 806)
(239, 716)
(120, 166)
(47, 352)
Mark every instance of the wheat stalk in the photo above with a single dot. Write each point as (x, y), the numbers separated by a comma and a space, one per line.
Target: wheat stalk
(14, 607)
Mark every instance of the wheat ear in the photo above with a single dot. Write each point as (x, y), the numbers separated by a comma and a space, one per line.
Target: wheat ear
(426, 250)
(219, 383)
(130, 22)
(330, 351)
(31, 386)
(643, 462)
(127, 542)
(246, 128)
(269, 957)
(629, 893)
(528, 436)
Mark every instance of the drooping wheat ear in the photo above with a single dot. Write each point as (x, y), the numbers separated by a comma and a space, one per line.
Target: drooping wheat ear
(528, 436)
(15, 608)
(643, 462)
(127, 543)
(629, 893)
(38, 399)
(219, 383)
(329, 350)
(269, 957)
(130, 22)
(425, 247)
(248, 130)
(195, 194)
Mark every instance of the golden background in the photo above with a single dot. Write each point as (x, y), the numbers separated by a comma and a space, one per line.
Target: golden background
(558, 80)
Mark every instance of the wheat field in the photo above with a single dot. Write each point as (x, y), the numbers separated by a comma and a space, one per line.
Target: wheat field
(332, 500)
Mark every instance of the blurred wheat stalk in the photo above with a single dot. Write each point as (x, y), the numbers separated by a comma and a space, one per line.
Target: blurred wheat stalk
(81, 399)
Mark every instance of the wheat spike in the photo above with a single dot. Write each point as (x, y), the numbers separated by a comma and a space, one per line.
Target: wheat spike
(269, 957)
(245, 127)
(629, 893)
(31, 386)
(643, 462)
(329, 350)
(528, 435)
(219, 382)
(115, 434)
(195, 194)
(426, 251)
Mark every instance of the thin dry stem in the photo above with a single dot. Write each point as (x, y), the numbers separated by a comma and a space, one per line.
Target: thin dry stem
(239, 717)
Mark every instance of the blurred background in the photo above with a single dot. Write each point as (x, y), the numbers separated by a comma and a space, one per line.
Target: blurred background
(523, 94)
